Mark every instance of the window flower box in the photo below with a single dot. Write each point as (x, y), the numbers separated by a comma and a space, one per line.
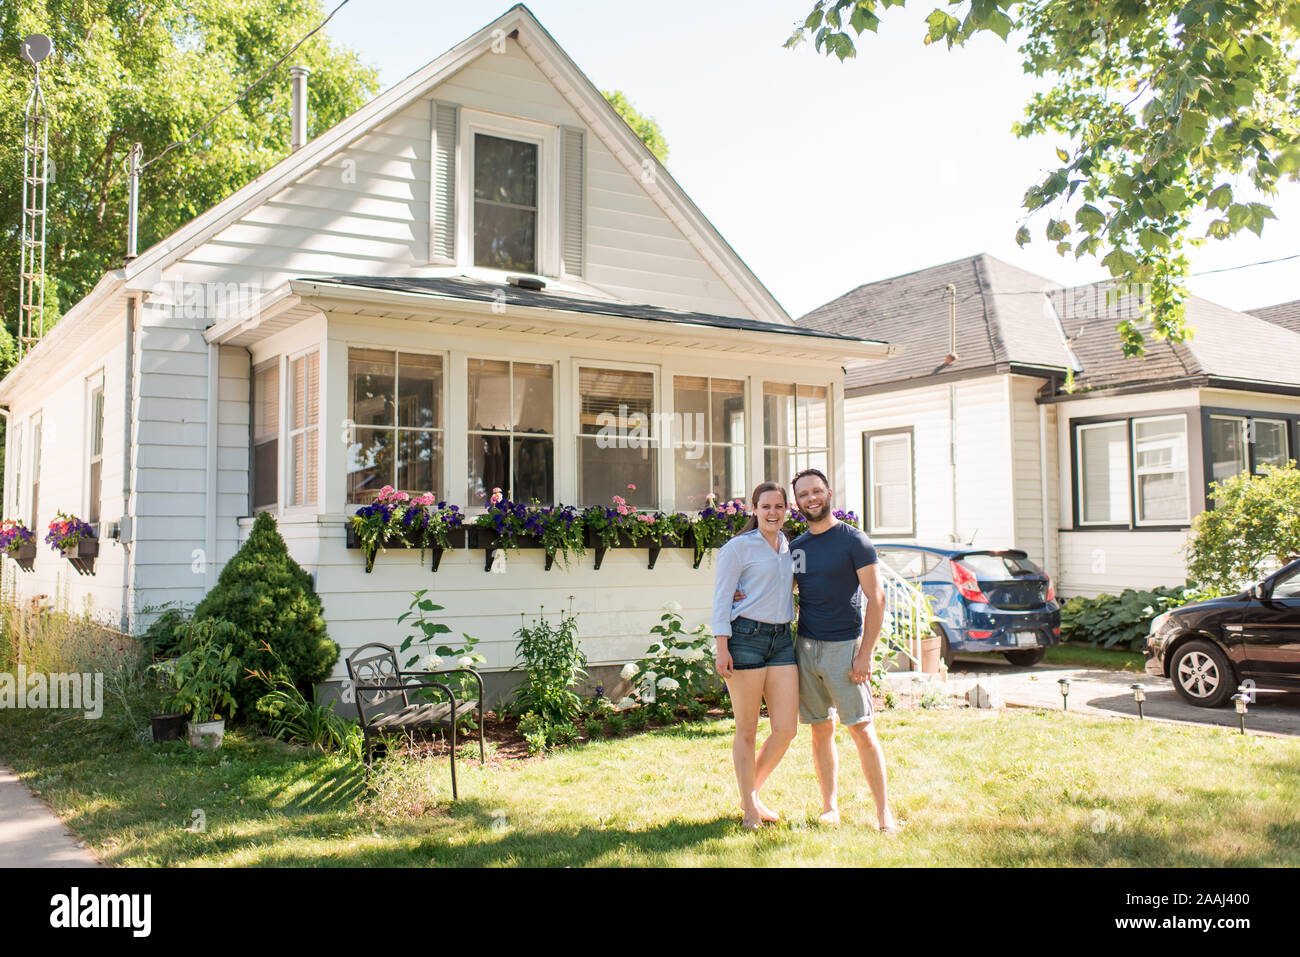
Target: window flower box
(395, 520)
(489, 540)
(18, 542)
(455, 539)
(74, 540)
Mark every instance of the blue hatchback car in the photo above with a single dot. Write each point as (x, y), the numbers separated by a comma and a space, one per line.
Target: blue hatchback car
(986, 600)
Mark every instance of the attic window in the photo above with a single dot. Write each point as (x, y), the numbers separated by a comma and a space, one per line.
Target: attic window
(505, 203)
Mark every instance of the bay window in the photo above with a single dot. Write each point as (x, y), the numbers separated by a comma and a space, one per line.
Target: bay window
(395, 404)
(616, 437)
(511, 430)
(709, 454)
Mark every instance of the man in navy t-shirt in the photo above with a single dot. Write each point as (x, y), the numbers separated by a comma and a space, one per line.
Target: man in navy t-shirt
(835, 566)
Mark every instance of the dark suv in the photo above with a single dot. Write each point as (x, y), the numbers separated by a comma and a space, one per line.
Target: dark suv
(1209, 648)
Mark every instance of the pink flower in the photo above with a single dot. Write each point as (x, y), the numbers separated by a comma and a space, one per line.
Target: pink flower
(731, 509)
(625, 510)
(496, 497)
(425, 499)
(618, 500)
(646, 518)
(631, 487)
(403, 497)
(386, 491)
(710, 497)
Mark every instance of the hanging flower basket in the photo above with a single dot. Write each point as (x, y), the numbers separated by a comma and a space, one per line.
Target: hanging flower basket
(18, 542)
(74, 540)
(395, 520)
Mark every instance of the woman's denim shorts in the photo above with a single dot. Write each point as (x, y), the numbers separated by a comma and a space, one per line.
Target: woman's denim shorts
(759, 644)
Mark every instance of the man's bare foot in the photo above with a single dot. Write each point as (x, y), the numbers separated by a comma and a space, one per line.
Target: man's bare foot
(830, 818)
(764, 812)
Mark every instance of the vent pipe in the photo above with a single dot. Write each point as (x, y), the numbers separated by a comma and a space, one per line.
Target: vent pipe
(298, 137)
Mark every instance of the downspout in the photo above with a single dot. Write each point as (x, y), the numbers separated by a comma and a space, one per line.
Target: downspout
(126, 527)
(210, 498)
(1042, 478)
(952, 404)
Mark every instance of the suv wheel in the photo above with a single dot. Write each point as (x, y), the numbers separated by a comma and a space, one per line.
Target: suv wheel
(1023, 659)
(1202, 674)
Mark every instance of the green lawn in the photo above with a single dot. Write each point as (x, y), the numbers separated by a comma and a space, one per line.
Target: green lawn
(1085, 656)
(978, 788)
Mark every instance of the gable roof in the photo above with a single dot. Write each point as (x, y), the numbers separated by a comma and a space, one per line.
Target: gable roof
(1007, 317)
(1002, 316)
(1284, 314)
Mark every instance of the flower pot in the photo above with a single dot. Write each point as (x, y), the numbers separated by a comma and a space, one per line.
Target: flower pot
(455, 539)
(207, 734)
(930, 650)
(168, 727)
(82, 555)
(24, 555)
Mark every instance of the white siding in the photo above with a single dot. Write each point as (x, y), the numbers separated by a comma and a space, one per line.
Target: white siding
(1096, 562)
(1027, 457)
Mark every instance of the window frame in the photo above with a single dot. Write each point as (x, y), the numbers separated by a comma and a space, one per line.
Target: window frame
(677, 441)
(655, 444)
(1208, 413)
(867, 487)
(444, 396)
(468, 432)
(278, 363)
(17, 441)
(547, 137)
(35, 441)
(1134, 472)
(796, 449)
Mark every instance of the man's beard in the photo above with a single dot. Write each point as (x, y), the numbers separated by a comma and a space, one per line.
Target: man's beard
(817, 516)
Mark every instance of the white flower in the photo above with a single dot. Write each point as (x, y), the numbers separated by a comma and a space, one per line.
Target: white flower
(692, 654)
(629, 671)
(430, 663)
(628, 702)
(465, 661)
(669, 684)
(674, 607)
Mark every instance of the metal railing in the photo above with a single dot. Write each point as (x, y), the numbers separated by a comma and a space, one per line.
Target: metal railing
(907, 614)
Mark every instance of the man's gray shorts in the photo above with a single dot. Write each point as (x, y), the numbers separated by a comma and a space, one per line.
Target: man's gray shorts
(825, 682)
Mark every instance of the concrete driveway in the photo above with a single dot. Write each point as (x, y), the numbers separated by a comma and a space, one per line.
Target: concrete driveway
(1099, 691)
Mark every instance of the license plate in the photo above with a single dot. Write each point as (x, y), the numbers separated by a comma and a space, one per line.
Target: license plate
(1027, 639)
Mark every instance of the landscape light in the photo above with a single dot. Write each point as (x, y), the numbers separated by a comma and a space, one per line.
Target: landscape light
(1139, 695)
(1065, 693)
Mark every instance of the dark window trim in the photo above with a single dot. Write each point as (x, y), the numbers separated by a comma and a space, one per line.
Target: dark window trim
(1195, 469)
(910, 431)
(1292, 420)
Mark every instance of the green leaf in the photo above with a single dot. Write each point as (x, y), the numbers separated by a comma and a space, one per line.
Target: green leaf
(1173, 198)
(1062, 155)
(1220, 198)
(1057, 229)
(863, 19)
(814, 19)
(1191, 127)
(1090, 218)
(1023, 235)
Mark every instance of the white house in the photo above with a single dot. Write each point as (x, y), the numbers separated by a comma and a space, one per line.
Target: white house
(1039, 434)
(344, 322)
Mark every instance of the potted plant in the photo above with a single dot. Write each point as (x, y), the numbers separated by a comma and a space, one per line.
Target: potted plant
(167, 725)
(204, 677)
(74, 540)
(18, 542)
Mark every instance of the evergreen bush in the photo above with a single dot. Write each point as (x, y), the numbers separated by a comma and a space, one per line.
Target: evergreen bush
(270, 599)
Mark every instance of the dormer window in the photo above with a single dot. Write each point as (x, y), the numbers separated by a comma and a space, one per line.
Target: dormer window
(505, 204)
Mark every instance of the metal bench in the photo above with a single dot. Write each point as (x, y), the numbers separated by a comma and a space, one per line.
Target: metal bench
(382, 693)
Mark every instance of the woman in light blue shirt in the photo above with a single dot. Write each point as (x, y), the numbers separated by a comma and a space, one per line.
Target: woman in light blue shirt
(755, 650)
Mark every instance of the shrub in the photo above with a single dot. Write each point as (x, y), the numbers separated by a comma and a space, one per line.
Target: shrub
(1123, 620)
(269, 599)
(163, 638)
(291, 717)
(553, 663)
(207, 671)
(1253, 529)
(615, 724)
(678, 667)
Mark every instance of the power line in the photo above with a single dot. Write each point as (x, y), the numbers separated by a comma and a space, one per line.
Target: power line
(1262, 262)
(248, 89)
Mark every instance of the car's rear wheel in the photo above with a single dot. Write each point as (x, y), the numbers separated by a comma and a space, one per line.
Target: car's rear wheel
(1202, 674)
(1025, 657)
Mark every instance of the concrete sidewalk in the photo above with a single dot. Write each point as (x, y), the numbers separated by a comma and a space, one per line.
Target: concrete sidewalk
(1103, 692)
(30, 834)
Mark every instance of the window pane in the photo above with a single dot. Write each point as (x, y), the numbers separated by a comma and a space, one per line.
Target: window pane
(96, 492)
(534, 466)
(302, 468)
(891, 482)
(419, 390)
(729, 472)
(693, 479)
(1270, 443)
(419, 461)
(778, 414)
(264, 473)
(615, 400)
(505, 238)
(691, 404)
(778, 466)
(606, 472)
(727, 398)
(371, 377)
(97, 424)
(534, 398)
(505, 171)
(1227, 448)
(489, 466)
(489, 395)
(1160, 452)
(1103, 464)
(370, 463)
(266, 402)
(810, 423)
(304, 399)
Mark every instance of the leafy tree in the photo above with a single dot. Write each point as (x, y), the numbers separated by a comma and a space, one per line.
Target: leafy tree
(1178, 115)
(268, 597)
(1253, 528)
(643, 126)
(152, 71)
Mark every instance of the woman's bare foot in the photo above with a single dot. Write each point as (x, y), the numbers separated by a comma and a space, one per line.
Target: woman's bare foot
(830, 818)
(765, 812)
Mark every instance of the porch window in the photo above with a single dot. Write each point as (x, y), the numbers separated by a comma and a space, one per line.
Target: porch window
(616, 437)
(1103, 473)
(1160, 470)
(710, 444)
(505, 203)
(36, 474)
(304, 428)
(266, 435)
(795, 433)
(889, 483)
(511, 430)
(1241, 443)
(395, 404)
(95, 485)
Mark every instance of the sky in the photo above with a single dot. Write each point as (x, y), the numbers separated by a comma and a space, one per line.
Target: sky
(824, 175)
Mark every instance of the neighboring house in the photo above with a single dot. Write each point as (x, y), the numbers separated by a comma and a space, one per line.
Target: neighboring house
(1040, 433)
(343, 322)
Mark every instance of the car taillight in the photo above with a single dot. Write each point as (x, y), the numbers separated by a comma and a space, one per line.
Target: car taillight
(967, 584)
(978, 634)
(1051, 590)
